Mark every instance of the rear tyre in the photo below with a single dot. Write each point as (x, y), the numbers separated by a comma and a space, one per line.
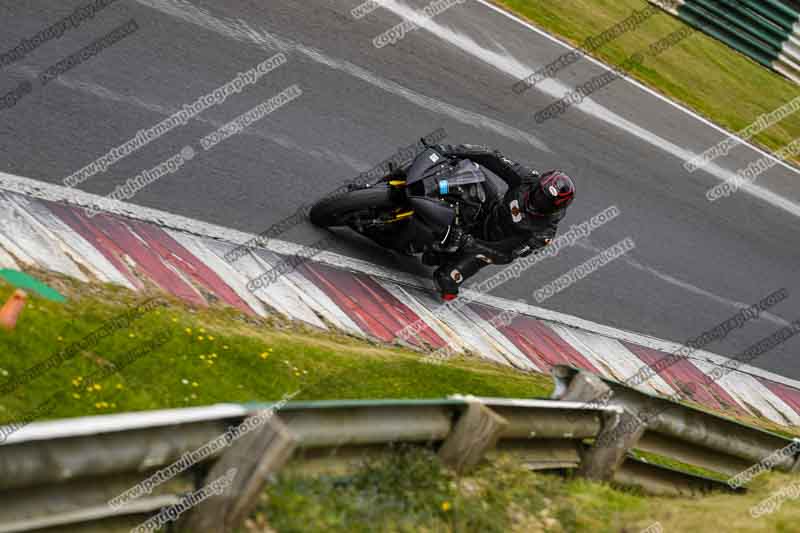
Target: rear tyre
(341, 209)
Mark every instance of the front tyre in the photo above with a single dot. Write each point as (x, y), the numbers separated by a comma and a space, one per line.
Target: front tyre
(343, 209)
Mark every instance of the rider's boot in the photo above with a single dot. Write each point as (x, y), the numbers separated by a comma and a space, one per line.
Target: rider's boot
(449, 277)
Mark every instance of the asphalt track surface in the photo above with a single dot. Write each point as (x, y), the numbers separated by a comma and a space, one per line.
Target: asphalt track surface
(695, 262)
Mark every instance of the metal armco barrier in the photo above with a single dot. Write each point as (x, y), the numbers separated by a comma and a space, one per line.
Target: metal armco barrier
(675, 430)
(62, 473)
(766, 31)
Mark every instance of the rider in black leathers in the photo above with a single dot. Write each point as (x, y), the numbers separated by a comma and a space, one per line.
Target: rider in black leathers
(513, 225)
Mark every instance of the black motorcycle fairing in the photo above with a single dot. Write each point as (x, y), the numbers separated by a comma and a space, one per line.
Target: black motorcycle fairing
(434, 185)
(435, 213)
(421, 166)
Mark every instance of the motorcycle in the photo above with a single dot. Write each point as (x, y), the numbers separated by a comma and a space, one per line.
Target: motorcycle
(448, 195)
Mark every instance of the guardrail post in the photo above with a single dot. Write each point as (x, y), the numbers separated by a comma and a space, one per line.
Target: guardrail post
(254, 456)
(584, 387)
(475, 432)
(621, 431)
(796, 465)
(621, 428)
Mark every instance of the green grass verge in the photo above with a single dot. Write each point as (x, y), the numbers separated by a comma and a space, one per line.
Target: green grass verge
(674, 464)
(411, 492)
(220, 355)
(213, 355)
(701, 72)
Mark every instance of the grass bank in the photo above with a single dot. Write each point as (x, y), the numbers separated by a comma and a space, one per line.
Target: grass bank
(412, 491)
(206, 356)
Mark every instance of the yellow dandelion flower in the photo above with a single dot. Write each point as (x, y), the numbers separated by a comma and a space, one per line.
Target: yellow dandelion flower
(97, 386)
(97, 405)
(131, 335)
(211, 337)
(120, 386)
(214, 355)
(202, 330)
(76, 395)
(174, 319)
(271, 350)
(188, 330)
(60, 338)
(264, 355)
(89, 389)
(200, 337)
(224, 346)
(195, 384)
(76, 383)
(210, 362)
(446, 506)
(202, 357)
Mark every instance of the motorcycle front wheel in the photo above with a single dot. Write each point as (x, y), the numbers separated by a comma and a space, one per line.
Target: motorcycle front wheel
(343, 209)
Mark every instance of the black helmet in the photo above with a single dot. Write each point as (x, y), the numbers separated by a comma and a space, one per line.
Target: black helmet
(554, 192)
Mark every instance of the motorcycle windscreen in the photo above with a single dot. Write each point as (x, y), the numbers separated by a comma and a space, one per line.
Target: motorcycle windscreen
(466, 172)
(422, 164)
(449, 180)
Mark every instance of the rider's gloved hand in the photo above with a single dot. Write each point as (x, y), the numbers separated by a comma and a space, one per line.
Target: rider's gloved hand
(446, 150)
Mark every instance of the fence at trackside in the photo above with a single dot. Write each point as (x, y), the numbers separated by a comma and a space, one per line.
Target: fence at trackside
(669, 428)
(766, 31)
(68, 473)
